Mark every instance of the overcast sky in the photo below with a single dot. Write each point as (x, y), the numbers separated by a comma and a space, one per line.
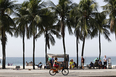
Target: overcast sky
(14, 47)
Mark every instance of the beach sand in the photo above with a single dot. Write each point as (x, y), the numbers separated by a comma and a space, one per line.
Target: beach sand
(31, 67)
(21, 67)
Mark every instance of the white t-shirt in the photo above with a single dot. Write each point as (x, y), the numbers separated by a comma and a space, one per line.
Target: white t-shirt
(105, 59)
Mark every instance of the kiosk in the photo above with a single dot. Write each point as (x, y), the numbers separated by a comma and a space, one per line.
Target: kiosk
(59, 56)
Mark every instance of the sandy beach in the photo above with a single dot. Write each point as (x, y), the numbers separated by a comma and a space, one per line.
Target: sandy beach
(31, 67)
(10, 71)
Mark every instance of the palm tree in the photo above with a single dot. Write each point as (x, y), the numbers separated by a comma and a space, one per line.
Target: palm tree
(33, 8)
(6, 9)
(48, 28)
(110, 8)
(86, 8)
(22, 21)
(62, 10)
(100, 27)
(74, 15)
(49, 32)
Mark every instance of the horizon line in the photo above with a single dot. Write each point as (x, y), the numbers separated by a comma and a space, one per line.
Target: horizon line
(75, 56)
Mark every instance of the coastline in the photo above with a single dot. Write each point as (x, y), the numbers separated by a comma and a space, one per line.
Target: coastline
(21, 67)
(19, 60)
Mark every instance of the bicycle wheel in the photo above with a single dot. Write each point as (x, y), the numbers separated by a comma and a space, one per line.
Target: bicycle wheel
(65, 72)
(52, 72)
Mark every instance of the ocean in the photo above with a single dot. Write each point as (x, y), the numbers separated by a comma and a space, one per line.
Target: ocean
(18, 61)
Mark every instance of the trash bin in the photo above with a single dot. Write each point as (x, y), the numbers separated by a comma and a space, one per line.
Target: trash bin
(109, 63)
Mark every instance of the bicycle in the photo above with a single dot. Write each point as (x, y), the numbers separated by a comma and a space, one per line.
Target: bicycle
(64, 71)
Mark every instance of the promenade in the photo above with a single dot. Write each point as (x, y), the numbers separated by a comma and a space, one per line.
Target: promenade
(45, 73)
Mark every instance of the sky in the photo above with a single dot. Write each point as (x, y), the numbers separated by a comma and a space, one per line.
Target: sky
(14, 46)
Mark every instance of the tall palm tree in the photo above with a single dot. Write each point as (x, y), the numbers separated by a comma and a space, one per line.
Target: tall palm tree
(6, 9)
(74, 15)
(62, 10)
(33, 8)
(110, 9)
(100, 27)
(22, 21)
(49, 32)
(48, 28)
(86, 8)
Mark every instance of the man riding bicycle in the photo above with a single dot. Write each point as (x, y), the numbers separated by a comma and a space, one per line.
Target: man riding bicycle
(56, 64)
(58, 68)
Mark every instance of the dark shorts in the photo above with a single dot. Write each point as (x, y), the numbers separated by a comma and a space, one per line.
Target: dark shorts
(51, 64)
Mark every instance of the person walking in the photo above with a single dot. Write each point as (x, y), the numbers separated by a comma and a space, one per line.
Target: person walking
(105, 62)
(82, 62)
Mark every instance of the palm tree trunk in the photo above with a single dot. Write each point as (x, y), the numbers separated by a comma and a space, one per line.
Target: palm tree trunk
(64, 50)
(23, 50)
(3, 49)
(83, 46)
(63, 38)
(99, 46)
(64, 45)
(46, 50)
(27, 30)
(34, 51)
(77, 49)
(83, 41)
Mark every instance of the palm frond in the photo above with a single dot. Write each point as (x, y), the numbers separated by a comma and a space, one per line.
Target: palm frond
(37, 19)
(39, 34)
(52, 40)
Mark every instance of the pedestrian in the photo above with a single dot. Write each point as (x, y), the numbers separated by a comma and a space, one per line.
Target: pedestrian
(52, 61)
(82, 62)
(105, 61)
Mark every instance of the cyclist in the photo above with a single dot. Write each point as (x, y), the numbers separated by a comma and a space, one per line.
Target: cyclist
(56, 64)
